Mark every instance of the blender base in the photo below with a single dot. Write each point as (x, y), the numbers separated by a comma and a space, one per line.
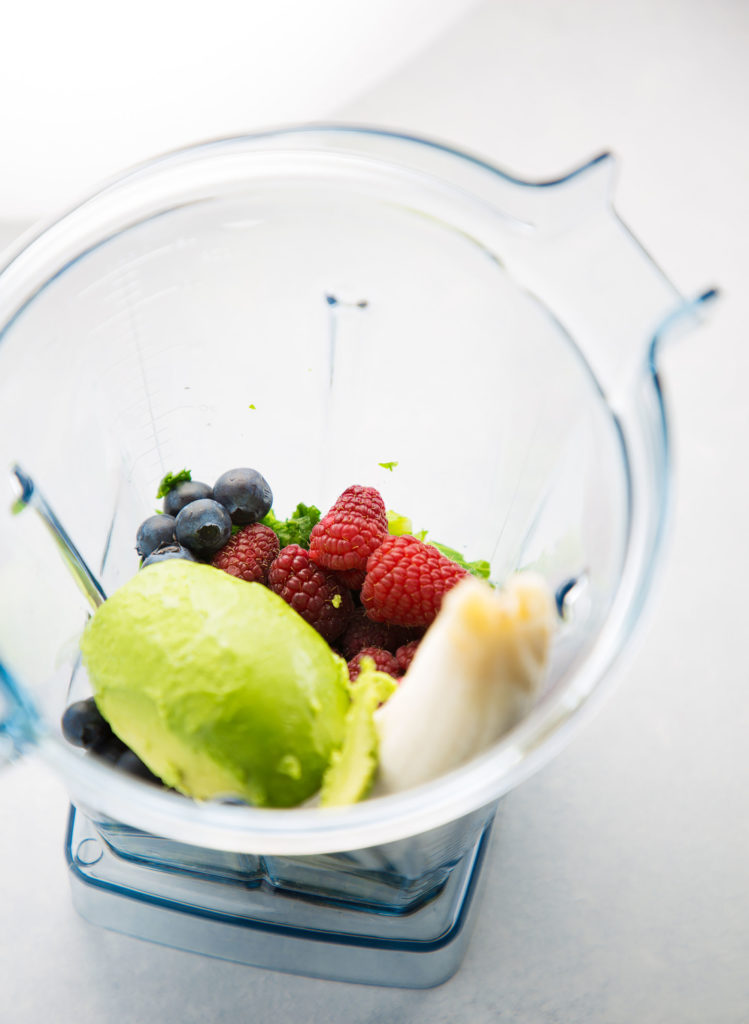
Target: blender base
(262, 926)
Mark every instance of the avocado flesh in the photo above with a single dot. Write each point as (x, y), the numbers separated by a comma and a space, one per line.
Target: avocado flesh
(218, 685)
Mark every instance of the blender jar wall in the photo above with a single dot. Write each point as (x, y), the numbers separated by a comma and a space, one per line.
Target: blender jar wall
(366, 311)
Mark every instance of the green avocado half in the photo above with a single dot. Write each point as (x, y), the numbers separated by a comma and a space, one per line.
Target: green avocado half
(218, 685)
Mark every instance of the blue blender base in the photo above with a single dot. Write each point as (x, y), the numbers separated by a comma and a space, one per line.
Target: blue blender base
(264, 926)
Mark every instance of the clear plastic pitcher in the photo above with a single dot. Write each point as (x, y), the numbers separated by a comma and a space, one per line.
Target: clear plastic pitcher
(313, 303)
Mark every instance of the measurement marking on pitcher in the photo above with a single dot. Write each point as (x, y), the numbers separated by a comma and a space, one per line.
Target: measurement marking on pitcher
(334, 304)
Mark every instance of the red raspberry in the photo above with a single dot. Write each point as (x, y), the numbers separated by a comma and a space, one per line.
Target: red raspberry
(316, 594)
(249, 553)
(384, 662)
(405, 655)
(399, 636)
(349, 532)
(365, 501)
(406, 581)
(352, 578)
(362, 632)
(344, 540)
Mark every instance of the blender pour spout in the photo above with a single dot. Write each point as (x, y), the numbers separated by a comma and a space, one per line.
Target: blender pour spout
(31, 496)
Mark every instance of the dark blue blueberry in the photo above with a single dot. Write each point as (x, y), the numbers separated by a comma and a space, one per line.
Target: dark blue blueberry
(245, 494)
(111, 749)
(129, 762)
(203, 526)
(154, 532)
(183, 494)
(168, 551)
(83, 725)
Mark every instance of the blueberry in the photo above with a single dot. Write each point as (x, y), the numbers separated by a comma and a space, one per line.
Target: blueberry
(183, 494)
(167, 551)
(245, 493)
(154, 532)
(111, 749)
(83, 725)
(203, 526)
(129, 762)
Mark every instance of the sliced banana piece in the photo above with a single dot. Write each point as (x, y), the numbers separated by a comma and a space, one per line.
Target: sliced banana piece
(477, 671)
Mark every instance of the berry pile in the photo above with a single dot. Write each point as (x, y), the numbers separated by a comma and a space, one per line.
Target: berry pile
(198, 520)
(368, 593)
(359, 587)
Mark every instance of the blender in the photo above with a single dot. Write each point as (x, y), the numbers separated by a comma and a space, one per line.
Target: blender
(320, 302)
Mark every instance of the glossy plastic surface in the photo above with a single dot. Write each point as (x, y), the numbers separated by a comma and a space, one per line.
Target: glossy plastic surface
(315, 302)
(235, 907)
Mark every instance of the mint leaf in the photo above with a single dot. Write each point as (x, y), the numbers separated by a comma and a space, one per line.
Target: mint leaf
(480, 568)
(171, 480)
(398, 524)
(297, 528)
(388, 465)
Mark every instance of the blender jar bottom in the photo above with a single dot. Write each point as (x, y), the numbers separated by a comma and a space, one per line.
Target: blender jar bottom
(249, 918)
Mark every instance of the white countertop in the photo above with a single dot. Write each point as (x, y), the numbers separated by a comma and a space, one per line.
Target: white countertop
(618, 888)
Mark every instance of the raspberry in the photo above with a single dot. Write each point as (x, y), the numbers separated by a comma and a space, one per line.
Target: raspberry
(349, 532)
(249, 553)
(405, 655)
(344, 540)
(352, 578)
(365, 501)
(384, 662)
(399, 636)
(311, 591)
(406, 581)
(362, 632)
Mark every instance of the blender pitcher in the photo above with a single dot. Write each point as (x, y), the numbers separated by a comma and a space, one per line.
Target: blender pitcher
(316, 302)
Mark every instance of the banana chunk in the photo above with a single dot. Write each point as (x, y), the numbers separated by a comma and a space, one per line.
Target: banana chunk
(475, 674)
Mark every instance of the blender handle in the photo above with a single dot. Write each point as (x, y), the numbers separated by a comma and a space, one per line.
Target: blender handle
(600, 283)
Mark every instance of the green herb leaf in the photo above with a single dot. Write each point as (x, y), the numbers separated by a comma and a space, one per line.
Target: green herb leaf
(171, 480)
(388, 465)
(297, 528)
(480, 568)
(398, 524)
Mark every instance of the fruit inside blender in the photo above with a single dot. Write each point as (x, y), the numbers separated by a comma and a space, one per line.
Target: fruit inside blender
(301, 384)
(369, 589)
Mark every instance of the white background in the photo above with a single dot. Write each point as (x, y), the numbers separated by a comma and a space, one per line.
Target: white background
(87, 88)
(618, 888)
